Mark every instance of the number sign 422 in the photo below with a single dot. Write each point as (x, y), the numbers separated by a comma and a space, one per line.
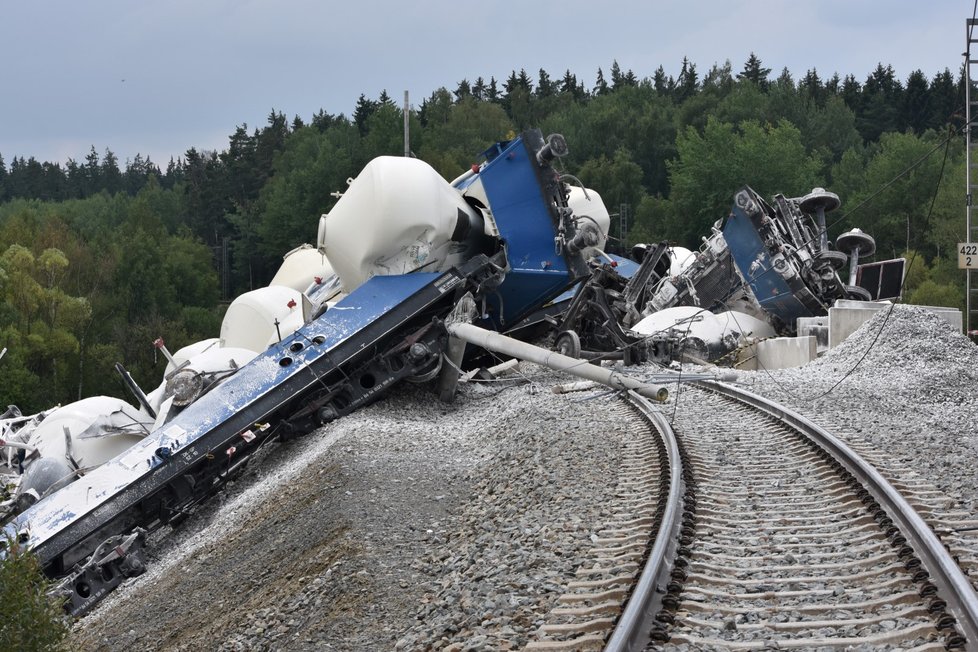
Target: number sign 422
(967, 255)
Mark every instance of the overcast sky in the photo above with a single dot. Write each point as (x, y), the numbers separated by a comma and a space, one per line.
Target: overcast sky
(160, 77)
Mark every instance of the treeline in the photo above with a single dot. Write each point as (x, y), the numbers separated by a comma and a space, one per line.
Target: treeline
(98, 258)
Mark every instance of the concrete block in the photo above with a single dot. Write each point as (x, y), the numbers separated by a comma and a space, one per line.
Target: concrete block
(818, 327)
(746, 358)
(785, 352)
(845, 317)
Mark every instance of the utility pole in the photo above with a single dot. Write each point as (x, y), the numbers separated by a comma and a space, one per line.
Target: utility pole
(407, 135)
(623, 224)
(967, 250)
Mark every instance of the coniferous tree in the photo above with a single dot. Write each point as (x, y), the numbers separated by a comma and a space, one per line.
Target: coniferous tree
(510, 87)
(662, 83)
(571, 87)
(852, 93)
(687, 84)
(943, 99)
(600, 85)
(93, 177)
(882, 96)
(3, 179)
(462, 91)
(110, 174)
(568, 82)
(174, 173)
(754, 72)
(322, 121)
(517, 101)
(811, 88)
(545, 87)
(616, 76)
(833, 85)
(915, 110)
(363, 110)
(492, 92)
(76, 179)
(479, 89)
(55, 182)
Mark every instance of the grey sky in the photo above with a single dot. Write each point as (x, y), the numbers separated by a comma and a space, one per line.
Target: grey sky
(159, 77)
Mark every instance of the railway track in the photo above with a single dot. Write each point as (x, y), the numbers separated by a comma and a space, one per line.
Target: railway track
(741, 525)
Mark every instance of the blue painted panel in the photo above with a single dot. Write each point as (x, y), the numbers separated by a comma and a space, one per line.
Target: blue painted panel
(626, 267)
(259, 377)
(523, 217)
(752, 259)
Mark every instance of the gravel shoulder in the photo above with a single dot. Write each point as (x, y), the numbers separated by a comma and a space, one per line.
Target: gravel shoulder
(410, 524)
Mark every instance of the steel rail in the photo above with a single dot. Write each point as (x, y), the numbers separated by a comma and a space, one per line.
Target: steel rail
(952, 584)
(632, 629)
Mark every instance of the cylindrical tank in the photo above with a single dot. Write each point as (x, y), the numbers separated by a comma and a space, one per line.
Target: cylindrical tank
(398, 215)
(717, 332)
(249, 322)
(99, 411)
(214, 361)
(301, 267)
(191, 350)
(588, 204)
(679, 259)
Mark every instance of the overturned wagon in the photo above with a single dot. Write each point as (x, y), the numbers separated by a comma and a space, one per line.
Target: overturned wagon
(325, 342)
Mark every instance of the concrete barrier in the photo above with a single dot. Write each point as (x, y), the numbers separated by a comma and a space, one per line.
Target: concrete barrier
(785, 352)
(847, 316)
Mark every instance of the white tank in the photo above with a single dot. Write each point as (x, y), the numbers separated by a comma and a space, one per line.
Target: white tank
(191, 350)
(679, 259)
(715, 330)
(301, 267)
(213, 363)
(398, 215)
(249, 322)
(100, 427)
(590, 205)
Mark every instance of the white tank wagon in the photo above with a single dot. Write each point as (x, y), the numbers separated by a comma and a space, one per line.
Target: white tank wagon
(398, 216)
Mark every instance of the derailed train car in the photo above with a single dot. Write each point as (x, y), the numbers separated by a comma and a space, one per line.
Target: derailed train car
(396, 253)
(764, 266)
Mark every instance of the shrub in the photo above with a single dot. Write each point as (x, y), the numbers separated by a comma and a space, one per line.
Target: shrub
(30, 620)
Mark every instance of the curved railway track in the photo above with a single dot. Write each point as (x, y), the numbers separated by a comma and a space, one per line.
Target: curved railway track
(742, 525)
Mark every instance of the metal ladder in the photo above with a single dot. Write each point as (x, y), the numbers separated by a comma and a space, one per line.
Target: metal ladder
(971, 229)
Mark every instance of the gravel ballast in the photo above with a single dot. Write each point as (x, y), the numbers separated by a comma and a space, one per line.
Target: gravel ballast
(410, 524)
(417, 525)
(905, 384)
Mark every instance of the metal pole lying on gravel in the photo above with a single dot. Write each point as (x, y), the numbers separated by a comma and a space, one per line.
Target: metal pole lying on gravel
(492, 341)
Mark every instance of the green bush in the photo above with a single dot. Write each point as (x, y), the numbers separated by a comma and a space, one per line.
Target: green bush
(30, 620)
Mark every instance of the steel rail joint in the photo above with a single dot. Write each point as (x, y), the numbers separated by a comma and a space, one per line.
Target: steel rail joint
(631, 632)
(953, 585)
